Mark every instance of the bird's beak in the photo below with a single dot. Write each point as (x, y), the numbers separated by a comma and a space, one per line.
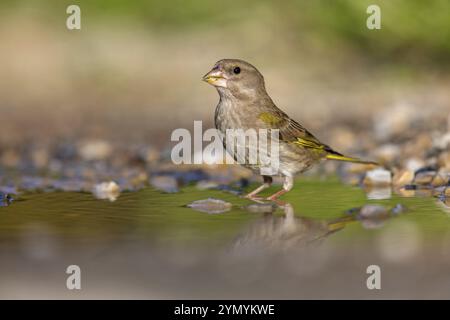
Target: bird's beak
(215, 78)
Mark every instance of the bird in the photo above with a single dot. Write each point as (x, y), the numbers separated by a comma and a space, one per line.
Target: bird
(245, 104)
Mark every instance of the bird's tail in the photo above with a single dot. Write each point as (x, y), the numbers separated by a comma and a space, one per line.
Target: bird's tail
(340, 157)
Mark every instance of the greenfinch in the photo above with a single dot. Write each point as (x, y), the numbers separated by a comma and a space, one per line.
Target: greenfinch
(244, 104)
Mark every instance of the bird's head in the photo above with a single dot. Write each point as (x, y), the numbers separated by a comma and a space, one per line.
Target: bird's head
(235, 76)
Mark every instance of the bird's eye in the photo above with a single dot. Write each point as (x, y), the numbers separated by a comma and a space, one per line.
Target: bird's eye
(237, 70)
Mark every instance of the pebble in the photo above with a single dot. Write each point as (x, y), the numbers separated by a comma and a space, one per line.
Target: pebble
(439, 191)
(398, 209)
(442, 141)
(378, 177)
(211, 206)
(10, 158)
(372, 216)
(95, 150)
(148, 154)
(379, 193)
(370, 211)
(394, 121)
(414, 164)
(387, 153)
(406, 191)
(424, 176)
(444, 160)
(40, 158)
(402, 177)
(442, 178)
(106, 191)
(5, 199)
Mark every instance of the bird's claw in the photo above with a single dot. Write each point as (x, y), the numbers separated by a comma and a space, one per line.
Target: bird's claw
(254, 198)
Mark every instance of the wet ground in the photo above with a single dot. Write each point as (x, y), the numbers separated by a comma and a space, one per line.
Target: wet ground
(318, 243)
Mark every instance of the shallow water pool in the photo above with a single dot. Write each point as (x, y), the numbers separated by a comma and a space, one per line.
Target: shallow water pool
(317, 243)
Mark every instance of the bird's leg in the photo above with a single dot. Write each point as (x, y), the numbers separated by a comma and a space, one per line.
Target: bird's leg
(267, 183)
(287, 186)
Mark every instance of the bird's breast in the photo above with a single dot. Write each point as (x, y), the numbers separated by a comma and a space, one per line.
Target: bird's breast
(227, 116)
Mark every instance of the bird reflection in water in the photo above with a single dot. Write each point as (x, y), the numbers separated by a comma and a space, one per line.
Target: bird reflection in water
(286, 231)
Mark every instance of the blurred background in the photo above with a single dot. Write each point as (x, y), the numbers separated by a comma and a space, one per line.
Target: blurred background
(90, 112)
(132, 73)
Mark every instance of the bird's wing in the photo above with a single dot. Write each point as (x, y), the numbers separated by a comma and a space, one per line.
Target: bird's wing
(293, 132)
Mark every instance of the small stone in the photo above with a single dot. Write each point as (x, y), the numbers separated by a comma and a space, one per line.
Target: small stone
(424, 176)
(439, 191)
(441, 179)
(403, 177)
(139, 179)
(151, 155)
(406, 192)
(444, 160)
(421, 143)
(446, 202)
(377, 177)
(398, 209)
(414, 164)
(395, 121)
(372, 216)
(379, 193)
(165, 183)
(442, 141)
(5, 199)
(148, 154)
(211, 206)
(40, 158)
(343, 138)
(95, 150)
(370, 211)
(387, 153)
(9, 158)
(106, 190)
(447, 192)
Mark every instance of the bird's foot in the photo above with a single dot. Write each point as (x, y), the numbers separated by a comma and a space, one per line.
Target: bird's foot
(250, 196)
(254, 198)
(276, 195)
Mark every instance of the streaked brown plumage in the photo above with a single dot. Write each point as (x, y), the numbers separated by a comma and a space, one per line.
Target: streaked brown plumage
(245, 104)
